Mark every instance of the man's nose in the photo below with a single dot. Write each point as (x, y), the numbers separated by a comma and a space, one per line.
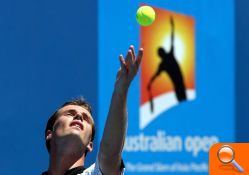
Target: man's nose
(78, 117)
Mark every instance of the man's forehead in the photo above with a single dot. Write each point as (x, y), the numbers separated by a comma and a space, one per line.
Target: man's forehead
(77, 108)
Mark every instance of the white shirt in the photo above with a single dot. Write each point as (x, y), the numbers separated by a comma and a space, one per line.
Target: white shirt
(95, 170)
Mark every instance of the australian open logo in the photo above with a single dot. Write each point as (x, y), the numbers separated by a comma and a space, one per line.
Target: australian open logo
(168, 66)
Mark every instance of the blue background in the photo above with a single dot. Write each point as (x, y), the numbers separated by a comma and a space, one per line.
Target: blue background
(49, 54)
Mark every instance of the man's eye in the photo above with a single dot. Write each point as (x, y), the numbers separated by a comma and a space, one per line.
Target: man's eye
(86, 118)
(70, 114)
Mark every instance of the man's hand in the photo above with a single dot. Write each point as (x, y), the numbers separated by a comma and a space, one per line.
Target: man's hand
(128, 69)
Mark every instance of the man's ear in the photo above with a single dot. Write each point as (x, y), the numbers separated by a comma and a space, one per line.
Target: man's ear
(48, 135)
(89, 147)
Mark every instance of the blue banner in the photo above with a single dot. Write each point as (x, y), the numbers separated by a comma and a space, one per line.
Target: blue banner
(175, 117)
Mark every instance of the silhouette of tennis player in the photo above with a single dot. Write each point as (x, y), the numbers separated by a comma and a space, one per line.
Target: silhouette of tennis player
(171, 67)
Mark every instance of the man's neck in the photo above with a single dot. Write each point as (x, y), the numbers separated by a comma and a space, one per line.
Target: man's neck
(61, 161)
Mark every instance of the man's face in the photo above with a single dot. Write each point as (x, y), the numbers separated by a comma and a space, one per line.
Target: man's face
(74, 121)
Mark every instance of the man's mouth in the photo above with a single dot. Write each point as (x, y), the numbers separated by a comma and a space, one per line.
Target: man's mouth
(77, 124)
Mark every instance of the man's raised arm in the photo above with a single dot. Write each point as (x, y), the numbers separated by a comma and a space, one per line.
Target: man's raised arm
(115, 128)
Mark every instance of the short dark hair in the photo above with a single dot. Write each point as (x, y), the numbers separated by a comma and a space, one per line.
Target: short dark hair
(79, 102)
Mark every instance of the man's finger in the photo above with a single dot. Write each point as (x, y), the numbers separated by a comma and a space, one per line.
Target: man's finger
(139, 56)
(122, 63)
(128, 60)
(133, 53)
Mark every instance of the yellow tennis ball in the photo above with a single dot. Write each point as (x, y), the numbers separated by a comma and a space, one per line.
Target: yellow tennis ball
(145, 15)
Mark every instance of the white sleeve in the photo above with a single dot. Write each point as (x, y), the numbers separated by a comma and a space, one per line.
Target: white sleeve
(95, 170)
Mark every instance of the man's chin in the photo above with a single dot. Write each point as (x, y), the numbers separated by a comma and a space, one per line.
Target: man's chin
(72, 137)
